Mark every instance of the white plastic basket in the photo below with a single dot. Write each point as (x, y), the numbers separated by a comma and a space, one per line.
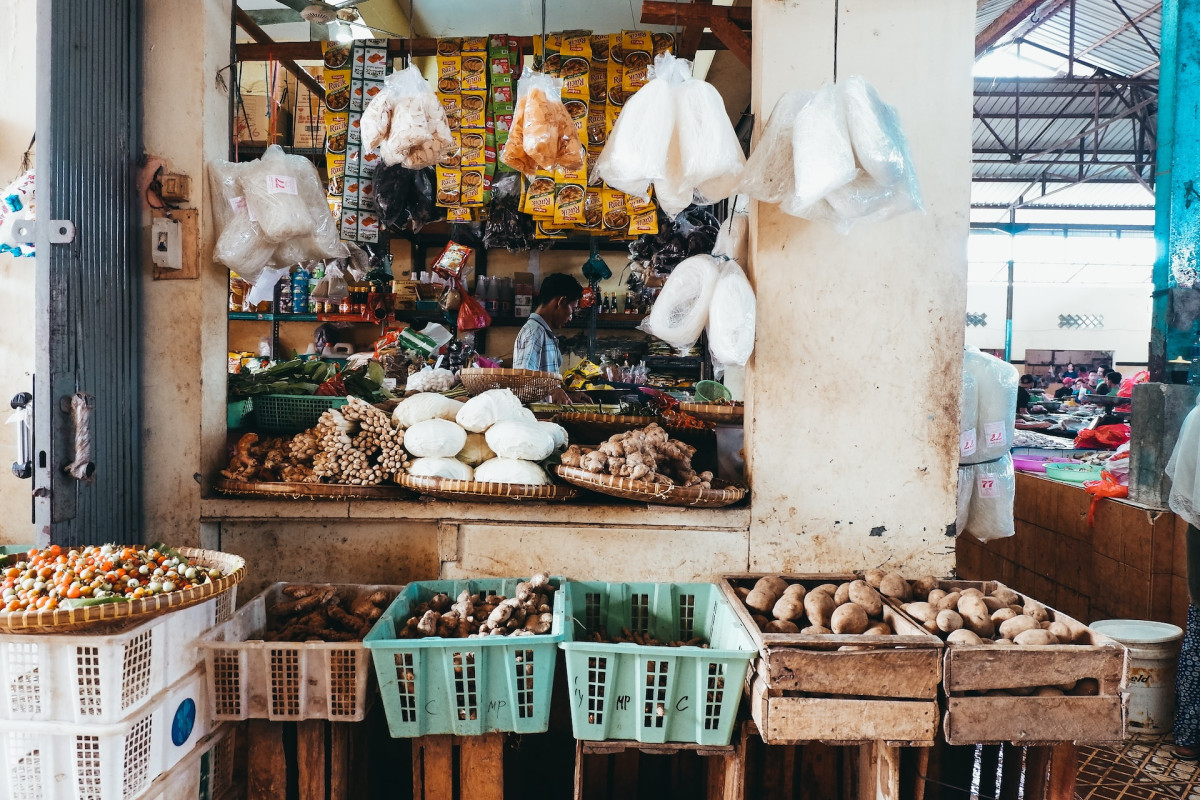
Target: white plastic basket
(68, 761)
(285, 681)
(206, 773)
(91, 678)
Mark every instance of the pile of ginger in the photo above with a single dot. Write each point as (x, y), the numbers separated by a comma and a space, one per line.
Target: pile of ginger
(647, 455)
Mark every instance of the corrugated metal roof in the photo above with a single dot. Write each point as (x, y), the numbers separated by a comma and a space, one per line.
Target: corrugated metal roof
(1088, 126)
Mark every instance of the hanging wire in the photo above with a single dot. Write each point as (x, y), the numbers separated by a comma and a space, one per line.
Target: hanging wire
(632, 16)
(835, 38)
(544, 28)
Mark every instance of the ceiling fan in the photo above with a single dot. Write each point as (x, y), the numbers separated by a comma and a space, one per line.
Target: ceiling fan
(315, 12)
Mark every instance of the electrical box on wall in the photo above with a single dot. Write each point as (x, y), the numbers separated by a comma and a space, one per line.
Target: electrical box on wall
(174, 244)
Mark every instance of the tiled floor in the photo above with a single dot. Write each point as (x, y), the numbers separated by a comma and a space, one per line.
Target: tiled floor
(1141, 768)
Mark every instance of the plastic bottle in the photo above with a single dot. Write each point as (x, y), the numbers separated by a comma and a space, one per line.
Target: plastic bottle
(300, 290)
(285, 297)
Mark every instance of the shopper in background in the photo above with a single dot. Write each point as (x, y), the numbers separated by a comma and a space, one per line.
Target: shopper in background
(1110, 384)
(1023, 393)
(1070, 372)
(537, 346)
(1065, 391)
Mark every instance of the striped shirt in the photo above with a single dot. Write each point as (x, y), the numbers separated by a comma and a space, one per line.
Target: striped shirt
(537, 347)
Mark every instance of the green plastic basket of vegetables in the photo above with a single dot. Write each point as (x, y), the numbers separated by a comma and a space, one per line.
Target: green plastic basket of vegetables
(291, 396)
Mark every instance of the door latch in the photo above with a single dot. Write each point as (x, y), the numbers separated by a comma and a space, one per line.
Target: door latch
(22, 404)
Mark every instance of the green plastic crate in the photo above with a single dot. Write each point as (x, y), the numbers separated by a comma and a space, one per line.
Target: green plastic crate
(238, 413)
(464, 686)
(291, 413)
(655, 694)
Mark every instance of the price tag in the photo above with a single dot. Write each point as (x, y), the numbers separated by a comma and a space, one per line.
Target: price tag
(237, 203)
(967, 443)
(281, 184)
(989, 486)
(389, 384)
(995, 434)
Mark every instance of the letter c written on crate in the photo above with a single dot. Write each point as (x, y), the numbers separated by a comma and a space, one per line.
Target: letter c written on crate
(682, 704)
(429, 707)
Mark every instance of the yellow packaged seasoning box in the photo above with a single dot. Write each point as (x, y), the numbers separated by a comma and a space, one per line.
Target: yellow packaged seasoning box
(643, 216)
(453, 157)
(452, 105)
(335, 167)
(460, 214)
(597, 124)
(337, 90)
(471, 183)
(551, 57)
(539, 197)
(569, 193)
(546, 230)
(593, 209)
(472, 149)
(474, 72)
(663, 43)
(638, 50)
(448, 73)
(449, 186)
(615, 214)
(576, 64)
(474, 111)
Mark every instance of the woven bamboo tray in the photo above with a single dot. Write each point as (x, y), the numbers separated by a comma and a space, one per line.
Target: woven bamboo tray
(654, 493)
(94, 619)
(715, 412)
(475, 491)
(528, 384)
(309, 491)
(598, 427)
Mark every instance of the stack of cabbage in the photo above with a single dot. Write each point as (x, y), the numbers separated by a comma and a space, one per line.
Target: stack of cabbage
(491, 438)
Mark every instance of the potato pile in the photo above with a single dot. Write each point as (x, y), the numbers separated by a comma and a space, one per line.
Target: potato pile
(528, 613)
(324, 614)
(1000, 618)
(854, 607)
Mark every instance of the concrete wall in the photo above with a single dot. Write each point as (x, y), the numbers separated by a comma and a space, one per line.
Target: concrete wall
(853, 391)
(17, 18)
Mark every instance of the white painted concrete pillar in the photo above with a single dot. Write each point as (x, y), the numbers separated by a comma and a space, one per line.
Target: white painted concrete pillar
(852, 394)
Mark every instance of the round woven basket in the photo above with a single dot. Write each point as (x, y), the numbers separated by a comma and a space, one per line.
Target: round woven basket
(447, 489)
(715, 412)
(595, 428)
(528, 384)
(97, 618)
(309, 491)
(655, 493)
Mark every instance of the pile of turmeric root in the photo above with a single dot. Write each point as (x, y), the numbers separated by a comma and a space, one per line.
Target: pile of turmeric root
(354, 445)
(309, 613)
(529, 612)
(647, 454)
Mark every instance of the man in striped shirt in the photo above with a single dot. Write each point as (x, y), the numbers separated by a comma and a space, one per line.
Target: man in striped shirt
(537, 346)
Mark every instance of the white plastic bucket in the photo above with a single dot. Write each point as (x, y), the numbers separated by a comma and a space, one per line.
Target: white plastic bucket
(1153, 658)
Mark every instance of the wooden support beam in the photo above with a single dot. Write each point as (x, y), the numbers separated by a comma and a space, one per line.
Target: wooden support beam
(1010, 18)
(732, 37)
(259, 35)
(657, 12)
(689, 38)
(311, 51)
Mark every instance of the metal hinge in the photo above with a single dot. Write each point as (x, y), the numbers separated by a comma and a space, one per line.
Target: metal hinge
(62, 231)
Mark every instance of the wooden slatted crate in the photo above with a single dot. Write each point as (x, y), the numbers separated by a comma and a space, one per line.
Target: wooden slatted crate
(971, 670)
(806, 688)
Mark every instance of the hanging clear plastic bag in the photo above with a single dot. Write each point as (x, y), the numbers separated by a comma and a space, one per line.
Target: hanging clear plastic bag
(731, 239)
(880, 147)
(1184, 470)
(822, 152)
(992, 495)
(286, 198)
(680, 313)
(543, 135)
(968, 415)
(731, 317)
(711, 153)
(997, 386)
(637, 150)
(770, 173)
(966, 485)
(406, 122)
(240, 245)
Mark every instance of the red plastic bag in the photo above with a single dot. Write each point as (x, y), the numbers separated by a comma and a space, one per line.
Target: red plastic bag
(1127, 385)
(1107, 486)
(472, 316)
(1106, 437)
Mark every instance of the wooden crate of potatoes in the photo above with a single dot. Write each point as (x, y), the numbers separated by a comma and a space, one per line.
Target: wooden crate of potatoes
(837, 664)
(1017, 670)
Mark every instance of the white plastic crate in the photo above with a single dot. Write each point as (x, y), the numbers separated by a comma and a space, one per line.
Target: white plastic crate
(89, 678)
(250, 678)
(68, 761)
(204, 774)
